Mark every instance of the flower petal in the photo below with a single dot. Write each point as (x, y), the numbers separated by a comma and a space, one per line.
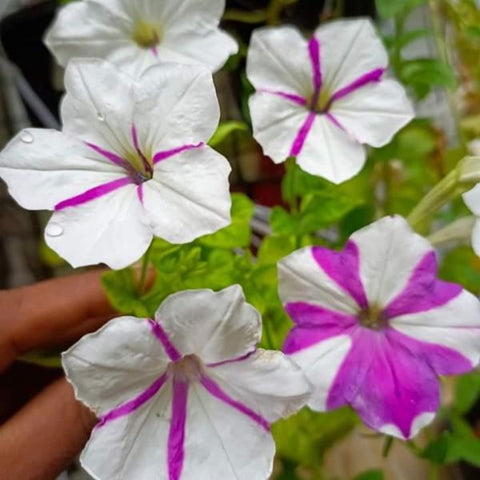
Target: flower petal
(110, 229)
(174, 105)
(472, 199)
(267, 382)
(188, 195)
(222, 442)
(302, 279)
(375, 112)
(98, 106)
(455, 325)
(116, 363)
(348, 50)
(44, 167)
(389, 253)
(278, 59)
(216, 326)
(330, 152)
(134, 445)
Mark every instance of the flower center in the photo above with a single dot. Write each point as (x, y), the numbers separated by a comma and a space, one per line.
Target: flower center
(188, 369)
(147, 35)
(372, 317)
(321, 101)
(139, 167)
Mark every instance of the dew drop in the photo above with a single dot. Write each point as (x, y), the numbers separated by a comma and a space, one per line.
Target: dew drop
(54, 230)
(26, 137)
(100, 116)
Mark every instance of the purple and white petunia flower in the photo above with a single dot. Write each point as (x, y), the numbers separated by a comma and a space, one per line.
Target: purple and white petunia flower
(374, 326)
(186, 395)
(131, 163)
(472, 200)
(320, 100)
(135, 35)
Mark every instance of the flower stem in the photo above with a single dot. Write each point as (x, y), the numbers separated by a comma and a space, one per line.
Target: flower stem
(387, 446)
(144, 270)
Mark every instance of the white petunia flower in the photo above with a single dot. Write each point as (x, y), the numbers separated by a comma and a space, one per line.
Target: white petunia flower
(130, 163)
(184, 396)
(320, 100)
(135, 34)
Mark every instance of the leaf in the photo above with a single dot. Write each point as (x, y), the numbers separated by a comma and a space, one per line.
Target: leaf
(461, 265)
(237, 234)
(374, 474)
(467, 391)
(225, 129)
(273, 248)
(391, 8)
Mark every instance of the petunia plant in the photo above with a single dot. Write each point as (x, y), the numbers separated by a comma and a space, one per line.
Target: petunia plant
(349, 304)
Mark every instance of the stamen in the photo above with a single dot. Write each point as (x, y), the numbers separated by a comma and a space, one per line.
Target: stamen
(147, 35)
(373, 317)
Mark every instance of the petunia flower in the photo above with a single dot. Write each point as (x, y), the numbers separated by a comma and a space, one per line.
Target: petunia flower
(374, 327)
(137, 34)
(186, 395)
(320, 100)
(130, 163)
(472, 200)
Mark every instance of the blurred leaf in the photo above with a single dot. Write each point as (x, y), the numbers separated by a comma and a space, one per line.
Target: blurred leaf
(237, 234)
(467, 391)
(461, 265)
(273, 248)
(225, 129)
(49, 257)
(374, 474)
(43, 358)
(391, 8)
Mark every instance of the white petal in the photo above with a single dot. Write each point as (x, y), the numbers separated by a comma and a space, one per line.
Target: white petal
(268, 382)
(114, 364)
(455, 325)
(302, 280)
(43, 167)
(330, 152)
(111, 229)
(420, 421)
(276, 122)
(98, 106)
(321, 363)
(389, 252)
(175, 105)
(348, 49)
(222, 443)
(88, 28)
(216, 326)
(278, 59)
(188, 195)
(133, 446)
(472, 199)
(375, 112)
(476, 237)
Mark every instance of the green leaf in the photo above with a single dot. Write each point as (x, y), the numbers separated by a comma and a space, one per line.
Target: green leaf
(225, 129)
(374, 474)
(237, 234)
(121, 289)
(461, 265)
(275, 247)
(391, 8)
(467, 391)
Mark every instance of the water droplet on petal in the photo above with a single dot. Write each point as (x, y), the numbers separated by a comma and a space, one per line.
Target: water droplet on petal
(54, 230)
(26, 137)
(100, 116)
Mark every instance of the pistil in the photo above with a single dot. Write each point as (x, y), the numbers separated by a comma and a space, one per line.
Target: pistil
(147, 35)
(372, 317)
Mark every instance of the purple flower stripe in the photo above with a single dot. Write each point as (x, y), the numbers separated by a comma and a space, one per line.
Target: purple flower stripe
(93, 193)
(369, 77)
(176, 434)
(155, 51)
(132, 405)
(146, 163)
(313, 324)
(214, 389)
(113, 157)
(140, 193)
(335, 121)
(344, 269)
(159, 156)
(293, 97)
(302, 135)
(167, 345)
(232, 360)
(423, 291)
(314, 51)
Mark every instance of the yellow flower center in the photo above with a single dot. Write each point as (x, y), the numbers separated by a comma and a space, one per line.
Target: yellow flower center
(147, 35)
(372, 317)
(323, 101)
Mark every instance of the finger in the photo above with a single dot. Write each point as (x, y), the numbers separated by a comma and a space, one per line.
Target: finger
(53, 312)
(42, 439)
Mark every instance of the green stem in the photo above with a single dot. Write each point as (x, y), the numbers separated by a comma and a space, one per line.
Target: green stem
(387, 446)
(144, 271)
(255, 16)
(268, 333)
(289, 191)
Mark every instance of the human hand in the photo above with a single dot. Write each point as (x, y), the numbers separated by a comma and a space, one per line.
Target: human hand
(42, 425)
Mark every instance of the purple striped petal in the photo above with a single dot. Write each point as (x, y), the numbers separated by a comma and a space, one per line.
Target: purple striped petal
(214, 389)
(94, 193)
(369, 77)
(314, 324)
(167, 345)
(335, 121)
(302, 135)
(423, 291)
(140, 193)
(132, 405)
(159, 156)
(113, 157)
(292, 97)
(232, 360)
(176, 434)
(314, 51)
(344, 269)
